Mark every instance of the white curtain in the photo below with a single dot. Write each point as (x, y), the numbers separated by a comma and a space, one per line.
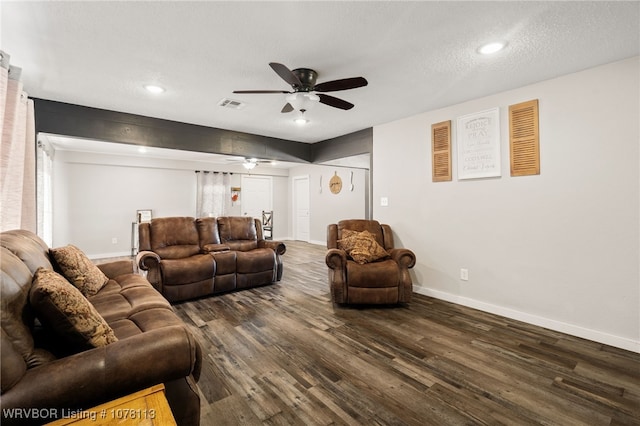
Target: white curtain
(213, 194)
(17, 152)
(44, 179)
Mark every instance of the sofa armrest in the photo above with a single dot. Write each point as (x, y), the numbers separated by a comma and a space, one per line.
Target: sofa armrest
(336, 259)
(147, 260)
(102, 374)
(277, 246)
(150, 262)
(404, 257)
(119, 267)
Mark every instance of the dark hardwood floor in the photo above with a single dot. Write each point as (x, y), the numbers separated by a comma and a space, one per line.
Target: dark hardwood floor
(284, 355)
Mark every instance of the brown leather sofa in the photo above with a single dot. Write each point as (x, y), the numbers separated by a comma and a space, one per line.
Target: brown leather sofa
(187, 258)
(43, 378)
(382, 279)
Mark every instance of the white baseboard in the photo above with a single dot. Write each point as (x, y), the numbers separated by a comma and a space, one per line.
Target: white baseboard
(108, 255)
(574, 330)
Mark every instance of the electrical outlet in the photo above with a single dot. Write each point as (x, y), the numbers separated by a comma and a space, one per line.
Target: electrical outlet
(384, 201)
(464, 274)
(114, 240)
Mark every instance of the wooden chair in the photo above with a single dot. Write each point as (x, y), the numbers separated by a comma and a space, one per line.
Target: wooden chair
(267, 224)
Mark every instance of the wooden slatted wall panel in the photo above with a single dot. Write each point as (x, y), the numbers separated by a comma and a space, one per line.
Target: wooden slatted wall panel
(441, 151)
(524, 139)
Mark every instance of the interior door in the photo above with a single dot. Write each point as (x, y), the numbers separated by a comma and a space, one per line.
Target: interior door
(301, 208)
(256, 195)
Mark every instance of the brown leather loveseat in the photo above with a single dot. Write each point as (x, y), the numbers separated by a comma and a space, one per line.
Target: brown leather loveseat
(45, 375)
(187, 258)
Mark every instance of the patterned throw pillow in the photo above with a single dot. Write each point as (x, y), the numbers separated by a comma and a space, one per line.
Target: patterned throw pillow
(61, 307)
(362, 247)
(79, 270)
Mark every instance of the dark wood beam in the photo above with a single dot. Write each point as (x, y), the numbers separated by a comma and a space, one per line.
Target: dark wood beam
(92, 123)
(99, 124)
(356, 143)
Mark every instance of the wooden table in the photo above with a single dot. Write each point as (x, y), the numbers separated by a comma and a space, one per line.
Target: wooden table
(148, 407)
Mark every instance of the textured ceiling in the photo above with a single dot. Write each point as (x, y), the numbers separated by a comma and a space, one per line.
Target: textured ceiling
(417, 56)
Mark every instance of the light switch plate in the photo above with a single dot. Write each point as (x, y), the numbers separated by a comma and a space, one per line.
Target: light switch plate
(464, 274)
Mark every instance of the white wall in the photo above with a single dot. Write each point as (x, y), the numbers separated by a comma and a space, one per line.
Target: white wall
(324, 206)
(96, 197)
(560, 249)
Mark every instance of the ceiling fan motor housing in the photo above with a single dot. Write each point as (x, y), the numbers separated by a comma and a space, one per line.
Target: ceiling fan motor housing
(303, 82)
(307, 77)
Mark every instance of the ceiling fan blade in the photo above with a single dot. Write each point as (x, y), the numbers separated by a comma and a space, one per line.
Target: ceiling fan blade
(334, 102)
(285, 73)
(342, 84)
(260, 91)
(287, 108)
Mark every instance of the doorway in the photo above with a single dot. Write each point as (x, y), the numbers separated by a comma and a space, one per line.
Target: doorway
(300, 203)
(256, 195)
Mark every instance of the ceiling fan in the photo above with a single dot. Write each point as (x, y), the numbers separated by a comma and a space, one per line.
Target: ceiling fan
(249, 163)
(303, 83)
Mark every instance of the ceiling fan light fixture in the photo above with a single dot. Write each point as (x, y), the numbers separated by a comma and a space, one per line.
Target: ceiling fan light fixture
(301, 120)
(152, 88)
(303, 100)
(491, 48)
(250, 164)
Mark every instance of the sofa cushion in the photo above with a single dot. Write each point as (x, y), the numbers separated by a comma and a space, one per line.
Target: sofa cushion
(384, 273)
(17, 317)
(242, 245)
(61, 307)
(12, 364)
(125, 297)
(362, 247)
(174, 237)
(28, 247)
(79, 270)
(237, 228)
(258, 260)
(225, 262)
(189, 270)
(208, 231)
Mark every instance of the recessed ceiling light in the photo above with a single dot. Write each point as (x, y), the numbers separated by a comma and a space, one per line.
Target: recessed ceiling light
(153, 88)
(301, 121)
(490, 48)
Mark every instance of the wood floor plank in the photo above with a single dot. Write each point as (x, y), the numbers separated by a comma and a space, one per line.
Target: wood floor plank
(283, 354)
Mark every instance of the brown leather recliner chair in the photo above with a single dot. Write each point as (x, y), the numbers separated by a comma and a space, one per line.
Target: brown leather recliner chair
(170, 252)
(382, 281)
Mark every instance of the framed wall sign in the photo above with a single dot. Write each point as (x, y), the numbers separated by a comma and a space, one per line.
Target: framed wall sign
(478, 143)
(144, 216)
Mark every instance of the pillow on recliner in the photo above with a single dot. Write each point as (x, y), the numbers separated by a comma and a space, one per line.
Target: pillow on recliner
(61, 307)
(362, 247)
(79, 270)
